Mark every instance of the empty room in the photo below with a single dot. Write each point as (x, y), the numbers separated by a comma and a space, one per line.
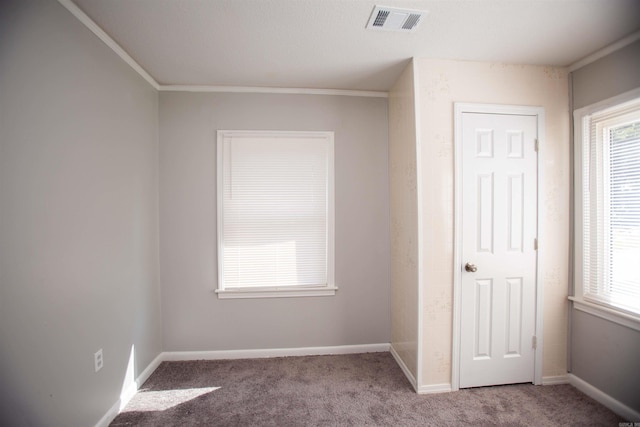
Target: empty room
(319, 212)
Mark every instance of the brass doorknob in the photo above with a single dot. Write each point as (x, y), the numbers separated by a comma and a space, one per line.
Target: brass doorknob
(471, 268)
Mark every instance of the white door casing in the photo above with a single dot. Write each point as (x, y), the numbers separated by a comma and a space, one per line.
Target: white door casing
(496, 230)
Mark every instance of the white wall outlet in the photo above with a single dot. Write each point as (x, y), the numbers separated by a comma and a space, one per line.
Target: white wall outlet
(98, 360)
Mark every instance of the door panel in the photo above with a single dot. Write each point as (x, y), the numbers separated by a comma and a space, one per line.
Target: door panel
(499, 193)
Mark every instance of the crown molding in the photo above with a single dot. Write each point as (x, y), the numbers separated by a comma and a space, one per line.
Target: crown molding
(276, 90)
(605, 51)
(106, 39)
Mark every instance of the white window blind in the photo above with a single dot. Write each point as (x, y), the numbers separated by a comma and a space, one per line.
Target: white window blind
(611, 207)
(275, 211)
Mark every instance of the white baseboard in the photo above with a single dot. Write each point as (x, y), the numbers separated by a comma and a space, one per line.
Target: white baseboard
(128, 392)
(556, 379)
(132, 388)
(405, 369)
(434, 388)
(171, 356)
(111, 414)
(420, 389)
(272, 352)
(602, 397)
(144, 376)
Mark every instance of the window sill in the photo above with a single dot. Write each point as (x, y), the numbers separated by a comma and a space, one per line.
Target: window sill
(275, 292)
(624, 319)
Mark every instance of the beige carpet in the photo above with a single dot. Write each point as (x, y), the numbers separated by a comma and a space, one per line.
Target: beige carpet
(344, 390)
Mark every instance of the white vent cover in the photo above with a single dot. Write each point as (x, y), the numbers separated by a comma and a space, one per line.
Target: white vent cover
(394, 19)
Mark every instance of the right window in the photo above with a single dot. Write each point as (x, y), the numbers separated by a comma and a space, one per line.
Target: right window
(608, 206)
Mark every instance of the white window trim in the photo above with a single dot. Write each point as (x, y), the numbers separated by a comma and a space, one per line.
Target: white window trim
(327, 289)
(608, 312)
(276, 292)
(604, 312)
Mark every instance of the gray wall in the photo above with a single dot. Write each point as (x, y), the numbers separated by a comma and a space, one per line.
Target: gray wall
(78, 219)
(193, 317)
(606, 355)
(612, 75)
(603, 353)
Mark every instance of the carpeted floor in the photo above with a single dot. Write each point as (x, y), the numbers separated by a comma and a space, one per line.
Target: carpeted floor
(343, 390)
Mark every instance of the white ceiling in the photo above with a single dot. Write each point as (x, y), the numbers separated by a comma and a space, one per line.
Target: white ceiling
(324, 43)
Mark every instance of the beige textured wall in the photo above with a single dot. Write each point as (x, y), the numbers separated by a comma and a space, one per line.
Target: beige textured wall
(404, 220)
(440, 84)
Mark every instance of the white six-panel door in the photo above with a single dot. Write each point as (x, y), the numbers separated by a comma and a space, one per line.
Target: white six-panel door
(498, 299)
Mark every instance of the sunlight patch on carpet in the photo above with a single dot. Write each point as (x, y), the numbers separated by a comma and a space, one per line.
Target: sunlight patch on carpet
(165, 399)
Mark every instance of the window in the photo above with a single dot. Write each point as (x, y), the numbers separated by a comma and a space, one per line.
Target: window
(608, 206)
(275, 214)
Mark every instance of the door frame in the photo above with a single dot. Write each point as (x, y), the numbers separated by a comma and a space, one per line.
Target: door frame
(459, 109)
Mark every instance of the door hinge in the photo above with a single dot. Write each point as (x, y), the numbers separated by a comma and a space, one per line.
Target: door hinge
(537, 145)
(535, 244)
(534, 342)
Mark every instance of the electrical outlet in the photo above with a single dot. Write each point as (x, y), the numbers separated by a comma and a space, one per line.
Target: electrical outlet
(98, 360)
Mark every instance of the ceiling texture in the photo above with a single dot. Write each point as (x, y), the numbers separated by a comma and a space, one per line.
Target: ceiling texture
(323, 44)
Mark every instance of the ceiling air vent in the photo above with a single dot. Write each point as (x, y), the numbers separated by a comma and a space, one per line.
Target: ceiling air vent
(394, 19)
